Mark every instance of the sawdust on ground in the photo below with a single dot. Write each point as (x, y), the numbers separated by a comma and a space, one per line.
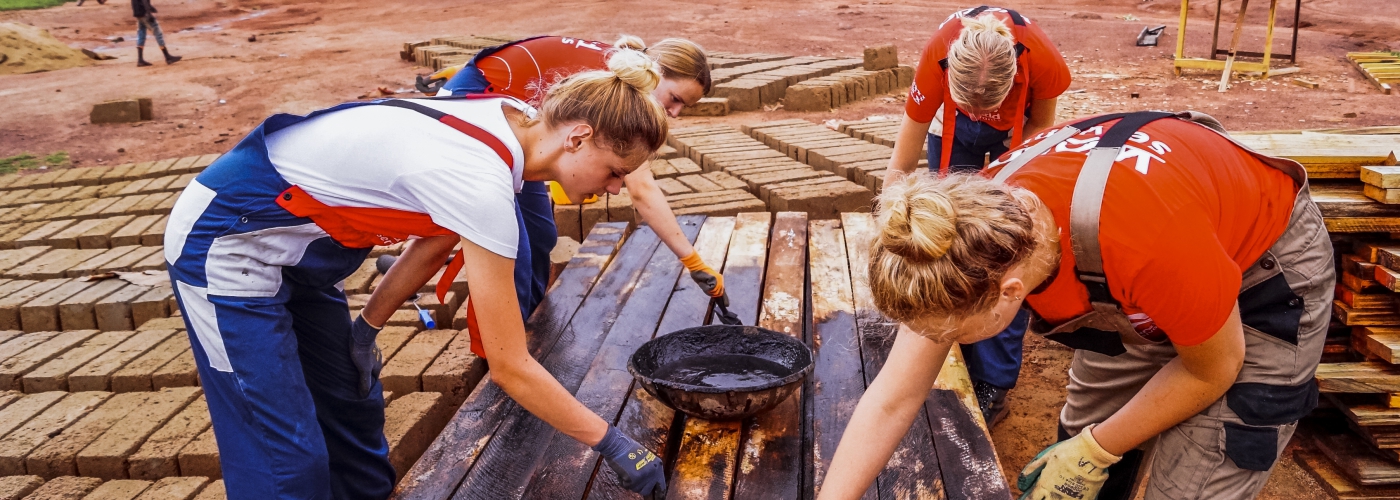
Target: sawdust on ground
(27, 49)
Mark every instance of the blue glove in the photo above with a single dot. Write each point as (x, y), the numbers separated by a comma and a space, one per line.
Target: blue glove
(637, 468)
(364, 352)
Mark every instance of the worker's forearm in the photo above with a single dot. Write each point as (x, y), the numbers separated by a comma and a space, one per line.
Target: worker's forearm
(1041, 117)
(908, 149)
(531, 386)
(650, 203)
(420, 260)
(1173, 395)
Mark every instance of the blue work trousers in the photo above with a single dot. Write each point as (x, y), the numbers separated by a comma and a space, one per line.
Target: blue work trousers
(972, 142)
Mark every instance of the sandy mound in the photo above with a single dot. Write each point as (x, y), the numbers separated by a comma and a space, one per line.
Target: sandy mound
(27, 49)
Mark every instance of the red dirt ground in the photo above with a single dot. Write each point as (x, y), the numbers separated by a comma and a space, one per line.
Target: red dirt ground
(312, 55)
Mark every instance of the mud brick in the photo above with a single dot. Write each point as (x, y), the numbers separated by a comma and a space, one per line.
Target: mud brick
(751, 129)
(743, 94)
(737, 168)
(121, 489)
(837, 162)
(40, 195)
(153, 262)
(92, 176)
(16, 367)
(175, 488)
(21, 213)
(205, 161)
(393, 338)
(19, 443)
(110, 190)
(40, 236)
(875, 180)
(20, 344)
(592, 213)
(17, 487)
(147, 205)
(99, 235)
(122, 205)
(881, 57)
(359, 281)
(666, 152)
(699, 184)
(5, 336)
(661, 168)
(161, 168)
(53, 264)
(106, 456)
(828, 158)
(201, 457)
(411, 423)
(685, 166)
(172, 323)
(132, 260)
(23, 410)
(66, 487)
(114, 311)
(857, 171)
(708, 106)
(620, 207)
(154, 236)
(214, 491)
(65, 238)
(56, 456)
(12, 197)
(41, 313)
(44, 212)
(180, 183)
(138, 170)
(905, 76)
(455, 372)
(807, 97)
(824, 201)
(166, 206)
(756, 182)
(130, 234)
(10, 303)
(53, 375)
(179, 372)
(159, 456)
(712, 160)
(672, 186)
(725, 181)
(183, 166)
(9, 259)
(765, 192)
(69, 193)
(152, 304)
(568, 219)
(403, 373)
(68, 177)
(136, 375)
(70, 210)
(92, 210)
(96, 375)
(104, 259)
(724, 209)
(700, 199)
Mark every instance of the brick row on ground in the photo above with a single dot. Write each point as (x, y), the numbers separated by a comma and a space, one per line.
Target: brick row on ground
(106, 176)
(833, 90)
(813, 144)
(778, 181)
(750, 86)
(155, 436)
(90, 488)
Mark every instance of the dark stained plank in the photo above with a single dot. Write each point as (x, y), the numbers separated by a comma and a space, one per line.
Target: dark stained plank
(524, 442)
(838, 378)
(567, 361)
(709, 451)
(913, 470)
(440, 469)
(770, 462)
(965, 451)
(643, 417)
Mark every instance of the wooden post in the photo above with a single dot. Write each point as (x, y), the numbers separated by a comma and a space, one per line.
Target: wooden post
(1181, 35)
(1269, 36)
(1234, 45)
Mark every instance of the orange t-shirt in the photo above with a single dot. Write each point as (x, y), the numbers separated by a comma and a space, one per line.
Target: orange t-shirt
(1048, 74)
(1184, 214)
(526, 68)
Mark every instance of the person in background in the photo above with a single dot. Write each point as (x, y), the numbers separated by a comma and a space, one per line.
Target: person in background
(988, 78)
(145, 15)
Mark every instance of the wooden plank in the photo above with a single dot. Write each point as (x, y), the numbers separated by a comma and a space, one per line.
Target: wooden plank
(526, 443)
(709, 451)
(1364, 377)
(771, 457)
(442, 467)
(1336, 483)
(1355, 458)
(913, 470)
(1349, 201)
(643, 417)
(838, 378)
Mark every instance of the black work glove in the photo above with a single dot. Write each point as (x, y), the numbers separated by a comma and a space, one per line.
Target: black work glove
(637, 468)
(364, 352)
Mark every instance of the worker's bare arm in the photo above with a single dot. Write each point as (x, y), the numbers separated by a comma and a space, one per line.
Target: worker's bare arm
(421, 259)
(650, 202)
(908, 149)
(884, 414)
(1040, 117)
(492, 281)
(1198, 376)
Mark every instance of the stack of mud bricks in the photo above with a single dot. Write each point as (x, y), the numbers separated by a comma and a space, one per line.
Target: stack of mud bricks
(123, 111)
(94, 208)
(778, 181)
(442, 52)
(859, 161)
(765, 78)
(879, 73)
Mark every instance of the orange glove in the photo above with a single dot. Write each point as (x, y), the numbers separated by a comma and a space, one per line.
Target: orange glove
(710, 281)
(556, 192)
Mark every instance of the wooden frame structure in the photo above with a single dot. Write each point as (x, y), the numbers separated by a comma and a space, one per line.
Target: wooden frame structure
(1213, 64)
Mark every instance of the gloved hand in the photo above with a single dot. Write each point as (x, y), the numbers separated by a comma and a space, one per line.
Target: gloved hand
(1072, 469)
(364, 352)
(637, 468)
(711, 281)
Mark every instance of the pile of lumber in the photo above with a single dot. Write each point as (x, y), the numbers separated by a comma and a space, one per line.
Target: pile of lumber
(1382, 69)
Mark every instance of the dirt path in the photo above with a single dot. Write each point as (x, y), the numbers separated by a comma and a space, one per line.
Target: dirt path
(312, 55)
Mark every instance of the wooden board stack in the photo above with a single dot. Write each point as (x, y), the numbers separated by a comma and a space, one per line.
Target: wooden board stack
(1382, 69)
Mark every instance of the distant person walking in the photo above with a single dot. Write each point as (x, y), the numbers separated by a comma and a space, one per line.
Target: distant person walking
(102, 2)
(145, 15)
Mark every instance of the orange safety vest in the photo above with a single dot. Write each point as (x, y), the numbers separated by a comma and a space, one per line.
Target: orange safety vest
(359, 227)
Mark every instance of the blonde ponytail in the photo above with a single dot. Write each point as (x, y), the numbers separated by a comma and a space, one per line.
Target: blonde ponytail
(982, 63)
(616, 103)
(945, 244)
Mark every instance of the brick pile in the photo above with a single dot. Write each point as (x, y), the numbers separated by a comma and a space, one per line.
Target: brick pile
(765, 78)
(858, 161)
(778, 181)
(442, 52)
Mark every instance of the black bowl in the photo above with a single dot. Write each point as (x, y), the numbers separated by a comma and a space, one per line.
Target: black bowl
(721, 403)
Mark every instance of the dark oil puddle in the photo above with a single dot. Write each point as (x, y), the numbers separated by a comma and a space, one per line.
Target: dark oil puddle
(723, 371)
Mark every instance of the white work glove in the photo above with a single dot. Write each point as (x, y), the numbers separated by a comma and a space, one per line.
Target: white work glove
(1072, 469)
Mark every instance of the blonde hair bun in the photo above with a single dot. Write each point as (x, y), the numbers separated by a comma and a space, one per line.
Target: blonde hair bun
(630, 42)
(918, 224)
(985, 23)
(635, 68)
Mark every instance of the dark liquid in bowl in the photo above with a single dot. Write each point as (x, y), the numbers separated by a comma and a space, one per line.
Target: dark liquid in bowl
(724, 371)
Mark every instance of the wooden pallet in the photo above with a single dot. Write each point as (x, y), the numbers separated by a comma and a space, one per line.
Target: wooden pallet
(1382, 69)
